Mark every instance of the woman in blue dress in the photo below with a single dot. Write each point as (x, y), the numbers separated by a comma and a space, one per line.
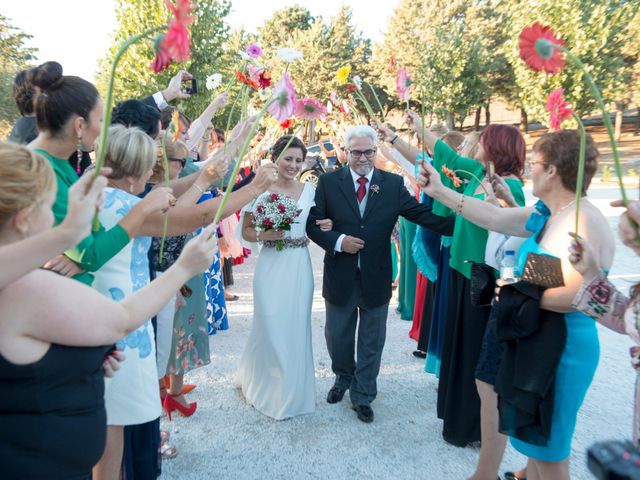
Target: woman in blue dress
(554, 170)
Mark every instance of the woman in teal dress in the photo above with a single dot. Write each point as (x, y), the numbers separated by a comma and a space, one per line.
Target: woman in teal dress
(554, 170)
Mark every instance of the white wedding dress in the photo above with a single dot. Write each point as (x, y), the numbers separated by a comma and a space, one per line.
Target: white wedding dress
(276, 369)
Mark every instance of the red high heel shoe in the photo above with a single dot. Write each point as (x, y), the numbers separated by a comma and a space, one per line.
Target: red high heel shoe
(170, 404)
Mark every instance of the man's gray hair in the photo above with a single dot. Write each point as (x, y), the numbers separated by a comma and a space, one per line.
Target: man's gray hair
(360, 131)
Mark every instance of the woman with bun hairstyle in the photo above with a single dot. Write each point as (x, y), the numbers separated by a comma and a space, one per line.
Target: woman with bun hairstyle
(52, 350)
(68, 114)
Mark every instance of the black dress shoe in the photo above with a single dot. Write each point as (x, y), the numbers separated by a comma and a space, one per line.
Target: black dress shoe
(335, 394)
(512, 476)
(419, 354)
(364, 412)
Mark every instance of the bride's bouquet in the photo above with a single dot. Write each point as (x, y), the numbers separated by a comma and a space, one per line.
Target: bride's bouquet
(275, 212)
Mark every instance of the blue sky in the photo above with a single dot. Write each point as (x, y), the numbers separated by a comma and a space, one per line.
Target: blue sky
(86, 34)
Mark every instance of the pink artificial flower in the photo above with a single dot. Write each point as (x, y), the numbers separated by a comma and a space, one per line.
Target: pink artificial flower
(176, 41)
(284, 99)
(162, 59)
(334, 99)
(403, 82)
(310, 109)
(558, 108)
(254, 50)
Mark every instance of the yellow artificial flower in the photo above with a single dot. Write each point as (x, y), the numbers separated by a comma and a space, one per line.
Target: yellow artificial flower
(342, 75)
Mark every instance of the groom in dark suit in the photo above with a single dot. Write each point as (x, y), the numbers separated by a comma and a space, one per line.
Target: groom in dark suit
(364, 204)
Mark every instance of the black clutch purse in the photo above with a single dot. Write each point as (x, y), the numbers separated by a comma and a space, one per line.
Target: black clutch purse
(483, 284)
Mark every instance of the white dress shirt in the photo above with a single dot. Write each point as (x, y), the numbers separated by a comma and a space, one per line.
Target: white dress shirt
(356, 185)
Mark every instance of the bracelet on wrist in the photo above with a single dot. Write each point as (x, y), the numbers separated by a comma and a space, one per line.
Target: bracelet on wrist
(393, 140)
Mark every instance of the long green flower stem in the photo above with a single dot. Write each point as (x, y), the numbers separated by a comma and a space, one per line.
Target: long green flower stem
(165, 165)
(580, 179)
(241, 155)
(422, 115)
(605, 117)
(106, 121)
(375, 95)
(365, 102)
(466, 172)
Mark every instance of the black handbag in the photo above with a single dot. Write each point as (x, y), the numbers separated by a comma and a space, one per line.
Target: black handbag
(483, 284)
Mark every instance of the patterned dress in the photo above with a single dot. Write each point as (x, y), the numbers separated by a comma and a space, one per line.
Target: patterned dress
(131, 396)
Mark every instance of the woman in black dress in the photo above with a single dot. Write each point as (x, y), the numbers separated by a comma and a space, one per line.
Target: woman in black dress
(53, 332)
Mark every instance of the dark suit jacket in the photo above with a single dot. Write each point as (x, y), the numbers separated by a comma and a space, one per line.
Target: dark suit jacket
(149, 101)
(336, 199)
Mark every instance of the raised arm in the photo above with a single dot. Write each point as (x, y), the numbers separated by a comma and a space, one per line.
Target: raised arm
(70, 313)
(19, 258)
(510, 221)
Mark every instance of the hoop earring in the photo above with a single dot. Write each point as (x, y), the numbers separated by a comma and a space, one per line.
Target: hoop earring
(79, 154)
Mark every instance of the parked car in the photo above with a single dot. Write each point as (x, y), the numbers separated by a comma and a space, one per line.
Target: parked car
(318, 163)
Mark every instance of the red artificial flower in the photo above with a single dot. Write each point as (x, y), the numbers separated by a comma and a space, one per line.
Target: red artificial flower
(558, 108)
(248, 81)
(539, 48)
(288, 123)
(268, 223)
(392, 64)
(264, 79)
(452, 176)
(282, 208)
(350, 88)
(274, 197)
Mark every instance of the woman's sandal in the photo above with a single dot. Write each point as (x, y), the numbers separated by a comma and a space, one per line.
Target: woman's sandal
(167, 451)
(164, 437)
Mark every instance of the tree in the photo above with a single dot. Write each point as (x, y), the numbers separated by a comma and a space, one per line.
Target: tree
(592, 30)
(134, 78)
(14, 57)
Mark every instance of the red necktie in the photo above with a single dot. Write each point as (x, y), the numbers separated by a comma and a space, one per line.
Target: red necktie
(362, 189)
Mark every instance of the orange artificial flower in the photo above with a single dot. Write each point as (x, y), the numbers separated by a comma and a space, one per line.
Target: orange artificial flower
(247, 81)
(452, 176)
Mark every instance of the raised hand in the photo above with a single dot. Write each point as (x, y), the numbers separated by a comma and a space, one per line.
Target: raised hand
(352, 244)
(429, 179)
(386, 134)
(583, 257)
(173, 89)
(502, 191)
(626, 230)
(85, 197)
(158, 200)
(265, 176)
(414, 121)
(64, 266)
(215, 168)
(241, 131)
(197, 255)
(220, 101)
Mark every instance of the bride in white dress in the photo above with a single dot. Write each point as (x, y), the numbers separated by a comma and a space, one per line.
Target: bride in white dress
(276, 370)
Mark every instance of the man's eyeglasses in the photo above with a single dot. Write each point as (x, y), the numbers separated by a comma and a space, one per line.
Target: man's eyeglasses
(367, 153)
(531, 163)
(183, 161)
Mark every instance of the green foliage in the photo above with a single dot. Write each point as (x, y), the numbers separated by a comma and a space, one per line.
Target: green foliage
(134, 78)
(14, 57)
(594, 30)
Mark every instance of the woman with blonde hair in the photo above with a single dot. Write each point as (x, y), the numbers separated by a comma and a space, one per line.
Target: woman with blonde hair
(52, 350)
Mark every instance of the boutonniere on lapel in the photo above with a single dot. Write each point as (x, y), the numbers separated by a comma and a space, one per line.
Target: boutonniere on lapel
(375, 188)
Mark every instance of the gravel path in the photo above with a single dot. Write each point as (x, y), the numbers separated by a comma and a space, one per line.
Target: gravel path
(228, 439)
